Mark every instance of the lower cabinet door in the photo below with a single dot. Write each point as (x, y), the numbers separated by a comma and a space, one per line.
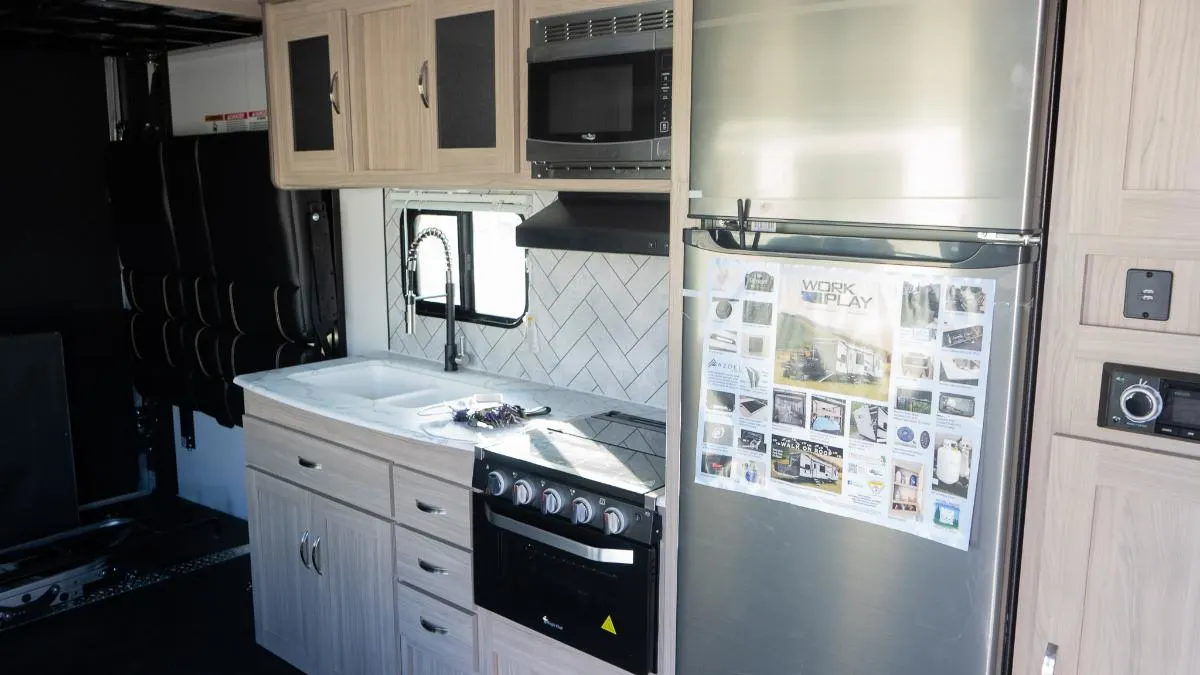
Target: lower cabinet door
(354, 561)
(1119, 577)
(416, 660)
(285, 587)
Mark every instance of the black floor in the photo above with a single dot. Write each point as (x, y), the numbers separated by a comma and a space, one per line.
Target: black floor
(200, 622)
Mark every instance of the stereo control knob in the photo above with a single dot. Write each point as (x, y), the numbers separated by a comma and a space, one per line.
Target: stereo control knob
(552, 501)
(614, 521)
(1141, 403)
(497, 484)
(523, 492)
(581, 511)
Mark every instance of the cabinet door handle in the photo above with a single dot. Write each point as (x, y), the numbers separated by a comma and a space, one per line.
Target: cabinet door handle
(308, 464)
(334, 94)
(430, 508)
(422, 76)
(432, 569)
(433, 627)
(316, 556)
(303, 545)
(1050, 659)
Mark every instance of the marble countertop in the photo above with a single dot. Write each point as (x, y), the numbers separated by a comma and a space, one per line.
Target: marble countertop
(301, 387)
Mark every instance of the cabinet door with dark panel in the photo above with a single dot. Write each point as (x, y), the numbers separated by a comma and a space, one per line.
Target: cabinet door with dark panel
(309, 94)
(472, 85)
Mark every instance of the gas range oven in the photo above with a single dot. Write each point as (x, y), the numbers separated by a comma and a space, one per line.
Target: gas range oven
(566, 534)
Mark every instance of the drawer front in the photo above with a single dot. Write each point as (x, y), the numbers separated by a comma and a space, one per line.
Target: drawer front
(434, 567)
(343, 474)
(433, 507)
(436, 627)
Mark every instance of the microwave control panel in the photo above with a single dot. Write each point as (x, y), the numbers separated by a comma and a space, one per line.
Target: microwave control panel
(1150, 401)
(662, 96)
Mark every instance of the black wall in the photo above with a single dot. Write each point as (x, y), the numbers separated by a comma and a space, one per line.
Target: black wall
(59, 269)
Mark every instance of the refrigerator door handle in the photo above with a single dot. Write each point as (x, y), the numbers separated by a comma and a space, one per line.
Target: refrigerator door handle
(949, 254)
(1048, 661)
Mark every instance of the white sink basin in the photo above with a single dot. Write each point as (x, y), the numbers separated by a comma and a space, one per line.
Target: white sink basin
(434, 391)
(372, 381)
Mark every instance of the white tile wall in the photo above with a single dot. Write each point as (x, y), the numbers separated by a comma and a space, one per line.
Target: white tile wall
(601, 321)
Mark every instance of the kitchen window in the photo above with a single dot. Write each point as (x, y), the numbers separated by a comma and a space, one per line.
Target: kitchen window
(491, 280)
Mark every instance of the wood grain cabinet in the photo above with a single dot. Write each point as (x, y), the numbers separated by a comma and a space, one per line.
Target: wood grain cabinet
(1120, 567)
(322, 576)
(307, 91)
(411, 92)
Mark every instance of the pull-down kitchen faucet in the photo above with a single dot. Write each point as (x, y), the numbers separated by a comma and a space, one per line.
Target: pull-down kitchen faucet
(410, 297)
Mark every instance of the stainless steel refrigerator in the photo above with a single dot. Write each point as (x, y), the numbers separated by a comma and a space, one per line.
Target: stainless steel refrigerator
(860, 302)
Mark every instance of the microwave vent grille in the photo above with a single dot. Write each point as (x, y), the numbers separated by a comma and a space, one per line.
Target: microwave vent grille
(613, 25)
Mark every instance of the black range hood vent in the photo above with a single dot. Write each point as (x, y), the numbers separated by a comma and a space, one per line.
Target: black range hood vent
(600, 223)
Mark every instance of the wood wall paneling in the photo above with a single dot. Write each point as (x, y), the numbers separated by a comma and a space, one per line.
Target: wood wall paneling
(1126, 194)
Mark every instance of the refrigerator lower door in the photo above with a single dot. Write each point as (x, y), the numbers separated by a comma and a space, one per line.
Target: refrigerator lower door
(771, 588)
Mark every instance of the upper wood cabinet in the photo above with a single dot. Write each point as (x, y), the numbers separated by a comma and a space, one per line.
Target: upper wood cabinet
(391, 92)
(307, 88)
(472, 85)
(391, 123)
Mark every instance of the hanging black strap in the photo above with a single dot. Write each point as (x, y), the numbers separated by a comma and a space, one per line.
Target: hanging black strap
(324, 312)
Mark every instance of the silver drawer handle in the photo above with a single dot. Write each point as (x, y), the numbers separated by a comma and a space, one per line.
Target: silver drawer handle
(430, 508)
(432, 569)
(308, 463)
(303, 545)
(1048, 661)
(433, 627)
(316, 556)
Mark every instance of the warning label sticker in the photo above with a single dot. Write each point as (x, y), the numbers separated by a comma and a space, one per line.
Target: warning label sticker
(251, 120)
(608, 625)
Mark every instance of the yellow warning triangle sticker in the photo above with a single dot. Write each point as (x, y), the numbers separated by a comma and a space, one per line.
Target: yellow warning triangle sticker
(608, 625)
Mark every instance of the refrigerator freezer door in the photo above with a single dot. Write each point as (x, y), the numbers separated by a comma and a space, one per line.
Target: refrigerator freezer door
(770, 588)
(924, 113)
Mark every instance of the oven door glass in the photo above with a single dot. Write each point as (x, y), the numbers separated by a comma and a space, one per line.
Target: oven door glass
(606, 609)
(602, 99)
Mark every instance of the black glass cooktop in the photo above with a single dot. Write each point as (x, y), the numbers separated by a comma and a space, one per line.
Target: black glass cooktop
(612, 448)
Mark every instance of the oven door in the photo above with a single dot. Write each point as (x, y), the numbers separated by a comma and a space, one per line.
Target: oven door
(602, 107)
(568, 583)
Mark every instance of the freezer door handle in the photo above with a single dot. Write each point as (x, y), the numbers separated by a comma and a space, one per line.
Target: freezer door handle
(1049, 659)
(896, 251)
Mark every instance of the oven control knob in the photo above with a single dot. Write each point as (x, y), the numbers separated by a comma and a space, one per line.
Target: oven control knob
(497, 484)
(614, 521)
(552, 501)
(1141, 403)
(581, 511)
(523, 492)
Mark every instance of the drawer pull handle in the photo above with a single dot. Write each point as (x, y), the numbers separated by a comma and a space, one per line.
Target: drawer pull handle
(316, 556)
(433, 627)
(303, 545)
(430, 508)
(308, 464)
(432, 569)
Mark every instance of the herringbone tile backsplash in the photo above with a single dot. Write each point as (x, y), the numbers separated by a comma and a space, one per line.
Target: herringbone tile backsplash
(601, 318)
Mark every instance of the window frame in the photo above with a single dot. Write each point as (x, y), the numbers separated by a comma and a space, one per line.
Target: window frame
(465, 310)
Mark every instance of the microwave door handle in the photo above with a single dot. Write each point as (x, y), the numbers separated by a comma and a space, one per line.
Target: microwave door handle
(619, 556)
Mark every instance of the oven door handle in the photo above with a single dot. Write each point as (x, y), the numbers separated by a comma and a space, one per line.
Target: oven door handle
(619, 556)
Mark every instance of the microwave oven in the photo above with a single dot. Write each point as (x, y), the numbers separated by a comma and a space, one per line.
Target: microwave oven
(599, 95)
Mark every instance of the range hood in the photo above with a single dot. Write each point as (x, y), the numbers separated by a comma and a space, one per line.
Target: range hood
(600, 223)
